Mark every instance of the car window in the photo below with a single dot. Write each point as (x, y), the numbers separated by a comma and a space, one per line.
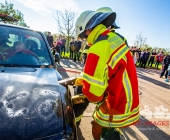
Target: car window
(22, 47)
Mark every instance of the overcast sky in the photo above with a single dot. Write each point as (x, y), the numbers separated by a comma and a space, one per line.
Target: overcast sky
(151, 18)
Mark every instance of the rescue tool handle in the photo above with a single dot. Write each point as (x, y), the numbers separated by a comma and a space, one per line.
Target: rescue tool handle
(68, 81)
(79, 99)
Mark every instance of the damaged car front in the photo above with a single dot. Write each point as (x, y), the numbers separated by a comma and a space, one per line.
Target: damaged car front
(33, 105)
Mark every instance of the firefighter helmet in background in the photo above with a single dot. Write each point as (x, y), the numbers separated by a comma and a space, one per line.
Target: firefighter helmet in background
(89, 19)
(105, 10)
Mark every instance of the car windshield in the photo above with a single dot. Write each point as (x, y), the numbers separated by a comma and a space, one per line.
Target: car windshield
(22, 47)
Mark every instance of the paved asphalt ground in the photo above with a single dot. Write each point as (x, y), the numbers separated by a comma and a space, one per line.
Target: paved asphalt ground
(154, 123)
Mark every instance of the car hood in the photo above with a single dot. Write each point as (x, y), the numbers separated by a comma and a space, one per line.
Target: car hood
(30, 103)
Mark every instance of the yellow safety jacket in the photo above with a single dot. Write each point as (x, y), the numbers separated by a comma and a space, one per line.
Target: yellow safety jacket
(110, 79)
(123, 38)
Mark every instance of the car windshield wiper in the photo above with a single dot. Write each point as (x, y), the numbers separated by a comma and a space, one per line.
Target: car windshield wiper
(6, 64)
(17, 69)
(9, 65)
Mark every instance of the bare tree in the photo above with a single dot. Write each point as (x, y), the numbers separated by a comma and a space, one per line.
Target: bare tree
(140, 40)
(65, 23)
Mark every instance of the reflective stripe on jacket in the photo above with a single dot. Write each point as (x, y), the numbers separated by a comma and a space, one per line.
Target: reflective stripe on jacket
(123, 38)
(110, 70)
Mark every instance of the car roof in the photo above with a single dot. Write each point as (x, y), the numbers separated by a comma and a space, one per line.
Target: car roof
(16, 26)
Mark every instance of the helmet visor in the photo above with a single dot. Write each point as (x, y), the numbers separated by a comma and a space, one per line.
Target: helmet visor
(106, 19)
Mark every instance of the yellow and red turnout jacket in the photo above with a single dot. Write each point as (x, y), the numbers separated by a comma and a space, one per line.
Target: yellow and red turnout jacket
(110, 79)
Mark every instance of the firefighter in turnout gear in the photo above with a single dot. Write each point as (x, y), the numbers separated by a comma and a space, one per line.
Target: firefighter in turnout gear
(109, 76)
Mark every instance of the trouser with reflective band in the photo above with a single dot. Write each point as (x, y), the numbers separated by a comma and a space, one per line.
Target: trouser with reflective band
(104, 132)
(79, 108)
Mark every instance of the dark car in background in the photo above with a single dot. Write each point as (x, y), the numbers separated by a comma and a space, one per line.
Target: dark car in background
(33, 105)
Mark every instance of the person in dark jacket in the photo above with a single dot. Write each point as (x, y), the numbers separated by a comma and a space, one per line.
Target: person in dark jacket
(132, 50)
(63, 45)
(166, 62)
(53, 47)
(139, 53)
(78, 45)
(151, 60)
(168, 76)
(145, 58)
(50, 39)
(72, 47)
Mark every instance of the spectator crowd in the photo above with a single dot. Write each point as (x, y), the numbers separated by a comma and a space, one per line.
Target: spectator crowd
(144, 58)
(58, 47)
